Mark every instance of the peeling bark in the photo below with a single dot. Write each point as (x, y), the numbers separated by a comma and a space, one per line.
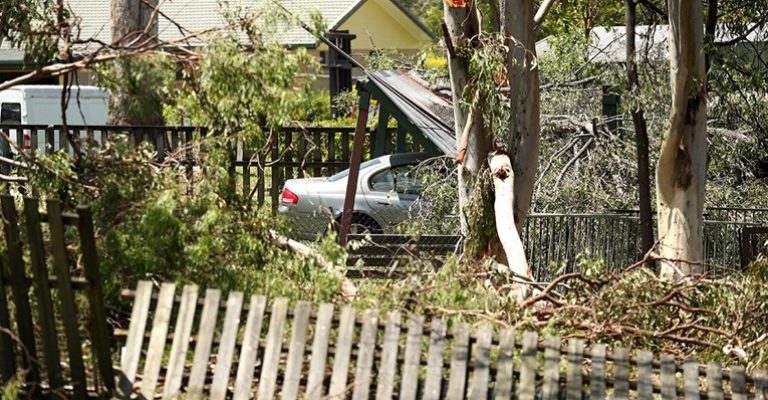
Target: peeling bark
(461, 25)
(681, 172)
(523, 76)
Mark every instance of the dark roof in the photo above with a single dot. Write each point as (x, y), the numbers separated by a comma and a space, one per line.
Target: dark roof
(424, 109)
(407, 158)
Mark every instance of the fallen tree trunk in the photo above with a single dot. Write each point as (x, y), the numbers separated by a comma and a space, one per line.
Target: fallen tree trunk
(503, 184)
(348, 289)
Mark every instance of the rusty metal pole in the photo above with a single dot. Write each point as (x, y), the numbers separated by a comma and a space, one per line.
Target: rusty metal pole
(354, 164)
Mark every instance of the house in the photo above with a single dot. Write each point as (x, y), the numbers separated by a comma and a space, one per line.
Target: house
(375, 24)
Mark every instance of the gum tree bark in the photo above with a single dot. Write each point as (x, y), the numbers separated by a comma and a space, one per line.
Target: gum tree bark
(514, 178)
(641, 135)
(133, 24)
(461, 25)
(518, 27)
(503, 186)
(681, 172)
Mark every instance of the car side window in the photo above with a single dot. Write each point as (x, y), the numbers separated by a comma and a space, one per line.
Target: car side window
(383, 181)
(10, 113)
(399, 179)
(406, 181)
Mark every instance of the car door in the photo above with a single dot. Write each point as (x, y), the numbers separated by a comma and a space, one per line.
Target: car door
(390, 194)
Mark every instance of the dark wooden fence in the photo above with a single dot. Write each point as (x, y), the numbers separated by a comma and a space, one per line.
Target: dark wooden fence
(36, 325)
(291, 152)
(338, 352)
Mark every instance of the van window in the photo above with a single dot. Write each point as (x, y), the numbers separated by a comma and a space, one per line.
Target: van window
(10, 113)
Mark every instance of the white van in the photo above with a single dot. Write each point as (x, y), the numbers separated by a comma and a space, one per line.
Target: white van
(41, 105)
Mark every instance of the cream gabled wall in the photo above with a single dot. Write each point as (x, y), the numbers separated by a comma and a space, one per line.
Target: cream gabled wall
(389, 27)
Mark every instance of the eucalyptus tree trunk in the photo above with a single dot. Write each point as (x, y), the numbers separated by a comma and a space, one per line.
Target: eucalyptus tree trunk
(641, 135)
(505, 203)
(473, 144)
(518, 27)
(133, 25)
(681, 172)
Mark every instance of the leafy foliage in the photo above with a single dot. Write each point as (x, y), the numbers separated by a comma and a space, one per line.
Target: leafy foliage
(152, 223)
(32, 27)
(236, 92)
(144, 82)
(719, 319)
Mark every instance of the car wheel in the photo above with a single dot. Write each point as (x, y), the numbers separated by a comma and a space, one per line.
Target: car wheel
(361, 225)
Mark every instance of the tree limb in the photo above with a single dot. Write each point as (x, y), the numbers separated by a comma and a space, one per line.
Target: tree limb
(348, 289)
(546, 5)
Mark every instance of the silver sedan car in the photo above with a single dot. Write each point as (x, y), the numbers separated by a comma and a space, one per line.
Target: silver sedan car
(386, 189)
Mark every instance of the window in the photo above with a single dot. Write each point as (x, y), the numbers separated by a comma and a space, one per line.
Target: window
(10, 113)
(384, 181)
(400, 179)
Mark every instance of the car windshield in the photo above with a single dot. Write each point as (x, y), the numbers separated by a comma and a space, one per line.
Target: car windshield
(343, 174)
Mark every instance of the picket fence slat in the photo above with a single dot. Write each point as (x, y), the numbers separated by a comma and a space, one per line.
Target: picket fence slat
(481, 372)
(644, 375)
(132, 350)
(621, 373)
(7, 357)
(274, 345)
(409, 384)
(761, 385)
(433, 380)
(367, 349)
(220, 382)
(205, 334)
(388, 367)
(157, 338)
(459, 362)
(42, 290)
(180, 345)
(19, 290)
(714, 381)
(97, 321)
(69, 314)
(691, 380)
(738, 383)
(597, 372)
(319, 351)
(550, 389)
(506, 365)
(574, 378)
(296, 350)
(527, 388)
(341, 358)
(668, 379)
(250, 348)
